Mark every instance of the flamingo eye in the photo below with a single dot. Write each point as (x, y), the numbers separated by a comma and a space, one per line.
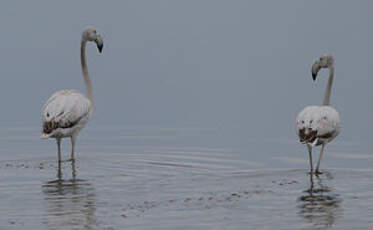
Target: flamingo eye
(302, 122)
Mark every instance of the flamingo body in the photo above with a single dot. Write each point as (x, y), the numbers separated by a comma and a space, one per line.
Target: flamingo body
(65, 114)
(316, 125)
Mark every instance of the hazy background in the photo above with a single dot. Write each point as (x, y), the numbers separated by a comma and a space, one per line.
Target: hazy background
(242, 66)
(195, 111)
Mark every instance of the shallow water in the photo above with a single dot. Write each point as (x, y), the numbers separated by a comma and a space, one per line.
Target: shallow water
(185, 178)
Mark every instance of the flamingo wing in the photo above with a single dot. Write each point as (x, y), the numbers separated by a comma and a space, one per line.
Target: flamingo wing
(315, 122)
(327, 122)
(64, 109)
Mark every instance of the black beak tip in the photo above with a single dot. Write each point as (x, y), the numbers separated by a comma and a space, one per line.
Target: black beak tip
(314, 76)
(100, 48)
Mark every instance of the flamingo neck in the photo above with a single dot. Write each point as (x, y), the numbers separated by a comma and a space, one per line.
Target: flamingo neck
(85, 72)
(329, 86)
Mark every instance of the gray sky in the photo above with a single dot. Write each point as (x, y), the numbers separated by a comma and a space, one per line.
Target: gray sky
(193, 63)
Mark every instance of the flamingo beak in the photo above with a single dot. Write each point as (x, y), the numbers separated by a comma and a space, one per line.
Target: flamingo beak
(100, 43)
(99, 47)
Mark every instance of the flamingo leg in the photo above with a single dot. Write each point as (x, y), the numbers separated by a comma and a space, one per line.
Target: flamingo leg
(59, 150)
(310, 154)
(73, 138)
(59, 172)
(319, 161)
(73, 170)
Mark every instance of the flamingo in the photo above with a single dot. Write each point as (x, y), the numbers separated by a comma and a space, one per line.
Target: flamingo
(319, 125)
(67, 111)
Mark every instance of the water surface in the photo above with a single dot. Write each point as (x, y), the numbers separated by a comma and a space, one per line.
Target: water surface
(179, 177)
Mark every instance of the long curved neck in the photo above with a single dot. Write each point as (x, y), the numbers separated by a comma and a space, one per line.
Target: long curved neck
(86, 78)
(329, 86)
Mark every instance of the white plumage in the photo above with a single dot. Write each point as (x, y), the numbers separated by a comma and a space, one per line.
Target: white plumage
(67, 111)
(324, 119)
(319, 125)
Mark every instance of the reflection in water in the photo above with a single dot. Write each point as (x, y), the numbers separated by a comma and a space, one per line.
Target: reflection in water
(70, 203)
(320, 207)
